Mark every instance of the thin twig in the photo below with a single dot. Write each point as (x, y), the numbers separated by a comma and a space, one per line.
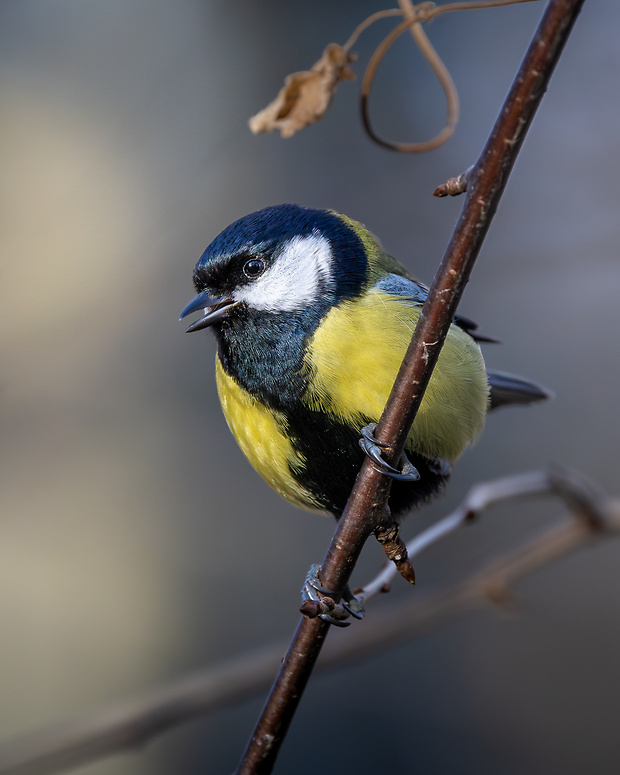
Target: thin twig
(366, 506)
(368, 22)
(492, 585)
(580, 495)
(131, 724)
(415, 15)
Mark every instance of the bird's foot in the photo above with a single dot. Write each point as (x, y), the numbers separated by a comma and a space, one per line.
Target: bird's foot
(318, 601)
(372, 448)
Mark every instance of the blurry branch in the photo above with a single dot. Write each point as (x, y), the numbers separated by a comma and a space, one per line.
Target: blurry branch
(366, 511)
(306, 95)
(132, 724)
(581, 496)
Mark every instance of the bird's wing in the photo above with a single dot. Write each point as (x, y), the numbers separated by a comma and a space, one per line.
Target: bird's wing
(397, 285)
(416, 292)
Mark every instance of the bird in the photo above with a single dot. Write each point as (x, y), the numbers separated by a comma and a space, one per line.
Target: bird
(312, 319)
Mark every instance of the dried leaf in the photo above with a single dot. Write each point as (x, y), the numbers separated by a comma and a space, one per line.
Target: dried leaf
(306, 95)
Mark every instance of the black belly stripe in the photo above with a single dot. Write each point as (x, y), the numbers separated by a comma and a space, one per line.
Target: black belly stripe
(333, 459)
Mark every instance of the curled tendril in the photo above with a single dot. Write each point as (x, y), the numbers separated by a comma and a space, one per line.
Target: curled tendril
(306, 96)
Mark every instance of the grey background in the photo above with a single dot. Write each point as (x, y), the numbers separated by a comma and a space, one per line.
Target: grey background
(136, 544)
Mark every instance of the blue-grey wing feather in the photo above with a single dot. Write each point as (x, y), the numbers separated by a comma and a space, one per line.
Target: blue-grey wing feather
(402, 286)
(416, 293)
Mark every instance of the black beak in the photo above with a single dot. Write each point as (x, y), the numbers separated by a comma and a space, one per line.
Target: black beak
(214, 311)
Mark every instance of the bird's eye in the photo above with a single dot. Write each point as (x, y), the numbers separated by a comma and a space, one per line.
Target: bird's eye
(253, 268)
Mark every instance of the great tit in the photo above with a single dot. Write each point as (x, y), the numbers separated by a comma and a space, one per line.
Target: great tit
(312, 319)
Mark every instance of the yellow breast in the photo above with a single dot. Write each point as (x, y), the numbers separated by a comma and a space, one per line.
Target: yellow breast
(261, 434)
(355, 355)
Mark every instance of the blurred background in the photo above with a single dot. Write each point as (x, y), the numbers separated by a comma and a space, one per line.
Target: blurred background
(136, 544)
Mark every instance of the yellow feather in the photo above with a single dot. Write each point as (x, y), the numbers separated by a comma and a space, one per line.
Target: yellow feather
(355, 355)
(261, 434)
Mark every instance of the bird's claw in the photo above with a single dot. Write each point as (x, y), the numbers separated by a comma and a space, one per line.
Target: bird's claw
(329, 610)
(372, 448)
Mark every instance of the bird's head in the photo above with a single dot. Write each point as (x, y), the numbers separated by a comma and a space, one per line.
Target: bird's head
(283, 259)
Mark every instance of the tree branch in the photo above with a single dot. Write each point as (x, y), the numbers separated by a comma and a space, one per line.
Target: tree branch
(365, 510)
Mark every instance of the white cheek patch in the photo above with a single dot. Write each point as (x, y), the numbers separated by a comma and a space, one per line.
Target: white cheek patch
(299, 273)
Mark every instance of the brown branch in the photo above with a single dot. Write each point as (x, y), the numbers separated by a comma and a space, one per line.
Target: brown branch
(132, 724)
(366, 507)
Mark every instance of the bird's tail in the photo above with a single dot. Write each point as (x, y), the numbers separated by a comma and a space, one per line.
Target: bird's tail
(506, 389)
